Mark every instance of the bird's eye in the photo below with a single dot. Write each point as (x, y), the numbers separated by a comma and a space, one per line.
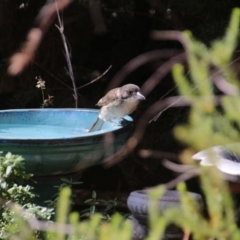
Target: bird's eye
(130, 92)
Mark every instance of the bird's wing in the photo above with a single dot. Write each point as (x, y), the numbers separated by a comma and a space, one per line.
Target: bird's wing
(102, 102)
(110, 97)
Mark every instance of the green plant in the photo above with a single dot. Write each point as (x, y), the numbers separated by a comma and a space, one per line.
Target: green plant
(20, 217)
(65, 183)
(93, 202)
(15, 193)
(213, 118)
(220, 223)
(212, 92)
(68, 226)
(207, 125)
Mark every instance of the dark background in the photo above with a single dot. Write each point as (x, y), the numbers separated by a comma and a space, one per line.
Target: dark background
(129, 24)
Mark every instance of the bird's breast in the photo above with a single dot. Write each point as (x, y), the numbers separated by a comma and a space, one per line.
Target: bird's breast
(119, 110)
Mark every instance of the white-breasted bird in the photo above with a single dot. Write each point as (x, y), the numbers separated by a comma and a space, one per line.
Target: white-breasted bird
(117, 103)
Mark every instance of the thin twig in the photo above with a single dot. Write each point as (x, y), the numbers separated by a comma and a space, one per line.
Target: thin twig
(137, 135)
(60, 27)
(96, 79)
(85, 85)
(161, 105)
(147, 153)
(161, 72)
(36, 224)
(53, 76)
(97, 18)
(182, 178)
(224, 86)
(184, 168)
(50, 226)
(177, 167)
(140, 61)
(151, 56)
(28, 49)
(186, 235)
(171, 35)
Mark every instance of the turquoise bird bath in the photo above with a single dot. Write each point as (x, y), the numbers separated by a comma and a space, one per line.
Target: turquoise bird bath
(56, 141)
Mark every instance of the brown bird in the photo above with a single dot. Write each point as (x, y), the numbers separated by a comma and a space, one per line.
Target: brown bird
(117, 103)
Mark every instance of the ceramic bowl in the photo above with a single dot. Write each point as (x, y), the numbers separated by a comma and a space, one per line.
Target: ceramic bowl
(56, 141)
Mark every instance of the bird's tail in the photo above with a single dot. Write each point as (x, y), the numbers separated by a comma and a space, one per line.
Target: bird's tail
(97, 125)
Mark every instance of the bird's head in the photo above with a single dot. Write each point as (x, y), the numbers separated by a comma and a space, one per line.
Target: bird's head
(131, 91)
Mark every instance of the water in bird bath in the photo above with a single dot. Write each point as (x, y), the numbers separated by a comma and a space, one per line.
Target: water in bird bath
(28, 131)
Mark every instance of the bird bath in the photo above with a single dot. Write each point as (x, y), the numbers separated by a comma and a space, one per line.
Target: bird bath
(55, 142)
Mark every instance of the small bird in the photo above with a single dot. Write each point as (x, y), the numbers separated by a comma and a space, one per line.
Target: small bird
(117, 103)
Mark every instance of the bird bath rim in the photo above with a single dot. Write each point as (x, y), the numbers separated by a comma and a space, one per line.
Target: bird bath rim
(81, 138)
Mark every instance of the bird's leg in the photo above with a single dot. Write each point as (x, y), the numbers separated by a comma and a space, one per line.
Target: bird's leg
(122, 122)
(115, 123)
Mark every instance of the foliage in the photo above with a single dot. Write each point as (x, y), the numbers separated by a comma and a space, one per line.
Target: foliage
(220, 223)
(20, 216)
(208, 123)
(65, 183)
(12, 177)
(213, 120)
(93, 203)
(93, 228)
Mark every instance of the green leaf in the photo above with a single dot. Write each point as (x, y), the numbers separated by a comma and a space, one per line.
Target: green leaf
(109, 207)
(76, 183)
(8, 171)
(92, 209)
(3, 185)
(94, 194)
(8, 155)
(65, 180)
(85, 210)
(88, 200)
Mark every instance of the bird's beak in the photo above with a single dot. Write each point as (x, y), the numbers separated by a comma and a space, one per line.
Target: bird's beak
(140, 96)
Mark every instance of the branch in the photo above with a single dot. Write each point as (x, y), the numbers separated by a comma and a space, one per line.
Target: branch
(28, 49)
(36, 224)
(96, 79)
(147, 153)
(161, 72)
(60, 27)
(137, 135)
(97, 17)
(140, 61)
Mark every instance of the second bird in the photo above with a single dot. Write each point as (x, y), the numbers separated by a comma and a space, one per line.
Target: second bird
(117, 103)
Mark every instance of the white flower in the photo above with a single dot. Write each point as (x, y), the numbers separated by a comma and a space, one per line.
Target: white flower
(40, 83)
